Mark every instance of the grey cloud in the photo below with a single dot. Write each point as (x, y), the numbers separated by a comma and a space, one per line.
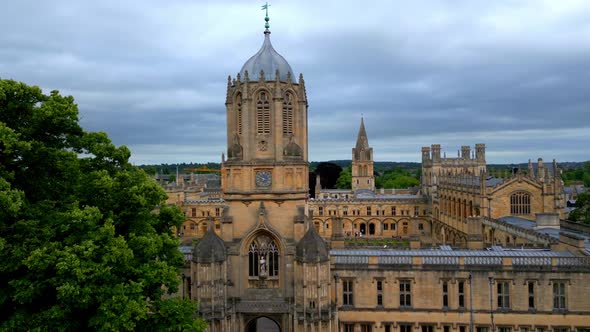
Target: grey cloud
(152, 75)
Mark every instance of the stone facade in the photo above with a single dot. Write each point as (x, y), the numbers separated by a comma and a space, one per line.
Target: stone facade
(425, 259)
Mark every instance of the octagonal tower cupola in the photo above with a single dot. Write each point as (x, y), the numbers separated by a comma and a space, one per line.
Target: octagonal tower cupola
(268, 61)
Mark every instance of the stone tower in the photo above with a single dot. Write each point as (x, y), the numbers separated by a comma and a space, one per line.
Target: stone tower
(362, 162)
(265, 189)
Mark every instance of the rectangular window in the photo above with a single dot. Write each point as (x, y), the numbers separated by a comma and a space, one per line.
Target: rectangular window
(559, 295)
(481, 329)
(531, 287)
(504, 329)
(385, 226)
(393, 227)
(368, 210)
(387, 328)
(445, 292)
(348, 327)
(461, 288)
(427, 328)
(193, 212)
(345, 210)
(393, 211)
(379, 292)
(462, 328)
(347, 298)
(366, 328)
(217, 212)
(405, 328)
(320, 211)
(503, 295)
(416, 210)
(405, 294)
(446, 328)
(421, 226)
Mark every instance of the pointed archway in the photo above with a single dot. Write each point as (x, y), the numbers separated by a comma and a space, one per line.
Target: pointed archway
(262, 324)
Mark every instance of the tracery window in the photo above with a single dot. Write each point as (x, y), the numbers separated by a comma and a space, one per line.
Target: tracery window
(288, 114)
(263, 258)
(520, 203)
(239, 113)
(263, 114)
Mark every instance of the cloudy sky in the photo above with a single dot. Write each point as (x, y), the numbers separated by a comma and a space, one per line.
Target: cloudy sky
(514, 74)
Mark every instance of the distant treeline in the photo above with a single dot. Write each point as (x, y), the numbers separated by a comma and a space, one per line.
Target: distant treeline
(171, 168)
(572, 171)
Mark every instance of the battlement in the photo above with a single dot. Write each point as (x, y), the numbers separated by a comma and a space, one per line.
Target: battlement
(432, 155)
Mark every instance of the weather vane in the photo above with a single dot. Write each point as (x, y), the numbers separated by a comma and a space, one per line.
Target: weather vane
(265, 7)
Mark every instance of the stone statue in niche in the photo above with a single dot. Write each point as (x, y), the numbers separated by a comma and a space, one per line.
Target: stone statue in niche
(262, 266)
(235, 151)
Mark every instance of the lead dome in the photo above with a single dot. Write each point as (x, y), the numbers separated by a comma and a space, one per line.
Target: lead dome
(269, 61)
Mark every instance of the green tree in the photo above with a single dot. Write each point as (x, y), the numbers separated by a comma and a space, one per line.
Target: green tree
(85, 243)
(150, 170)
(581, 174)
(345, 179)
(582, 211)
(329, 173)
(397, 178)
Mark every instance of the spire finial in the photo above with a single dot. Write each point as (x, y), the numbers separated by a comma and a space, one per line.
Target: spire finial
(266, 18)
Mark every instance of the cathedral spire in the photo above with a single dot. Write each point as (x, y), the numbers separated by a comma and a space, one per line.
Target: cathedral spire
(362, 142)
(362, 162)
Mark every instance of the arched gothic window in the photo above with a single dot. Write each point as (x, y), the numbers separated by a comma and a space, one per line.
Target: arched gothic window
(520, 203)
(263, 114)
(288, 114)
(263, 258)
(239, 113)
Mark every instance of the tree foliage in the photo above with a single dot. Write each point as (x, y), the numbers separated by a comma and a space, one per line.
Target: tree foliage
(397, 178)
(345, 179)
(84, 241)
(582, 211)
(581, 174)
(329, 174)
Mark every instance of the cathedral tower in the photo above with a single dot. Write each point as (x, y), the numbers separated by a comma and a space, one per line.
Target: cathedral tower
(266, 130)
(362, 162)
(265, 189)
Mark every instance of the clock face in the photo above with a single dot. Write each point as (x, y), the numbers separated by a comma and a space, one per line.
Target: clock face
(263, 179)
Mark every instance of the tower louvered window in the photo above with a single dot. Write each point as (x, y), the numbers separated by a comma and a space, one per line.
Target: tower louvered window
(239, 113)
(520, 203)
(263, 114)
(288, 114)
